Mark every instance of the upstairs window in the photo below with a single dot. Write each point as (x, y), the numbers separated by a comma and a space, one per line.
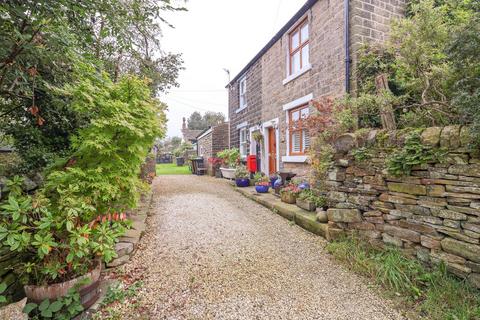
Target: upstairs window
(299, 137)
(243, 93)
(299, 48)
(243, 143)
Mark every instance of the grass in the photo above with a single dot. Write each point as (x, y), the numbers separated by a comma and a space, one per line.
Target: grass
(171, 169)
(431, 293)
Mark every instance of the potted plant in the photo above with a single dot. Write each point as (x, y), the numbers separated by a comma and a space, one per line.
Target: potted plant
(262, 184)
(63, 243)
(241, 177)
(180, 152)
(257, 136)
(309, 201)
(230, 160)
(289, 193)
(273, 178)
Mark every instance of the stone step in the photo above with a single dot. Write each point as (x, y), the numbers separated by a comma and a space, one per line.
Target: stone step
(303, 218)
(308, 221)
(123, 248)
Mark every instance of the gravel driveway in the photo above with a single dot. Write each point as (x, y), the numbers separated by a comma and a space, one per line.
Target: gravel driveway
(210, 253)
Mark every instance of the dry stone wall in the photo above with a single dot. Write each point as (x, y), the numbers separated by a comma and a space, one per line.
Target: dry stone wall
(432, 214)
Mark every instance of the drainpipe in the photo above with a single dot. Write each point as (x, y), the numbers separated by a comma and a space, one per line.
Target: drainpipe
(347, 45)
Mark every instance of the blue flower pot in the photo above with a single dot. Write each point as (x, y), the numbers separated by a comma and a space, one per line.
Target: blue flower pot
(242, 183)
(262, 189)
(304, 186)
(272, 181)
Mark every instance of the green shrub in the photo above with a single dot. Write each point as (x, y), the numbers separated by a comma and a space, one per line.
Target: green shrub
(9, 163)
(104, 165)
(180, 151)
(361, 154)
(309, 195)
(464, 52)
(413, 153)
(230, 157)
(77, 216)
(241, 173)
(57, 242)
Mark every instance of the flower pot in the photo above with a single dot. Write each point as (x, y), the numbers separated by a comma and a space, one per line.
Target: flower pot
(304, 186)
(306, 205)
(242, 182)
(228, 173)
(180, 161)
(272, 182)
(89, 293)
(262, 189)
(288, 198)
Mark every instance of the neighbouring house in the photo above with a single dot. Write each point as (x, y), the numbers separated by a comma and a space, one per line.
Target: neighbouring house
(312, 56)
(212, 141)
(189, 135)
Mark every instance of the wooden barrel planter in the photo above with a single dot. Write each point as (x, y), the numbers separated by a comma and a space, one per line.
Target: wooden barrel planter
(89, 293)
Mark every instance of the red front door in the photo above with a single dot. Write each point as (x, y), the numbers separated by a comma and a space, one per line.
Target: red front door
(272, 151)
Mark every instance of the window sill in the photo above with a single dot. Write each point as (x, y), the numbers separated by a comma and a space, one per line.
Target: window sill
(240, 109)
(296, 159)
(296, 75)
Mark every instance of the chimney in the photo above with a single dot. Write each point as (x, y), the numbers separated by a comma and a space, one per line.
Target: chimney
(184, 126)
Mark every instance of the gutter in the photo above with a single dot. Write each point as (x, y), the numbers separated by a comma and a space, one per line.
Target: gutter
(347, 45)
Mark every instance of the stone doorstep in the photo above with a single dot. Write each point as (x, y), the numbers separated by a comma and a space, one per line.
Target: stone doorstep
(305, 219)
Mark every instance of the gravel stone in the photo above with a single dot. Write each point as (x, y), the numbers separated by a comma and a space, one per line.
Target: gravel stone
(210, 253)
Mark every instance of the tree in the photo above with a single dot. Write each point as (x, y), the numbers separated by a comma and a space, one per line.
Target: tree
(170, 144)
(175, 142)
(195, 121)
(213, 118)
(198, 122)
(464, 52)
(42, 41)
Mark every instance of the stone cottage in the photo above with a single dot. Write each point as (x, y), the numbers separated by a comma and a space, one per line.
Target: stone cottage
(189, 135)
(212, 141)
(310, 57)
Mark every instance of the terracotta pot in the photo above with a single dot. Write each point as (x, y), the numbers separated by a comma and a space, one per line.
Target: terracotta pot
(89, 293)
(288, 198)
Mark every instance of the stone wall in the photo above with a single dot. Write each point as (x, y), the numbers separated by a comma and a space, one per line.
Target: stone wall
(326, 76)
(210, 144)
(220, 138)
(148, 170)
(432, 214)
(252, 113)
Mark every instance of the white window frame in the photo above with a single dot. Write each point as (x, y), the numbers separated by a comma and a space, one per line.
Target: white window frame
(243, 144)
(287, 107)
(306, 66)
(242, 95)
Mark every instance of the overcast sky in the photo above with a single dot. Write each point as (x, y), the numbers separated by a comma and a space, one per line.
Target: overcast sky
(212, 35)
